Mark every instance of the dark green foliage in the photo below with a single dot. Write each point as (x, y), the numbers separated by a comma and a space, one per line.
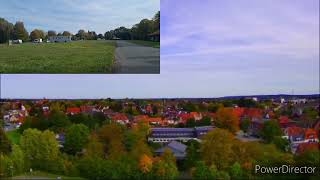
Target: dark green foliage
(19, 31)
(244, 125)
(270, 130)
(76, 138)
(5, 144)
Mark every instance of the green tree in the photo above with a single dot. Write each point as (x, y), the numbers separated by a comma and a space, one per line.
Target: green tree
(236, 171)
(281, 143)
(270, 130)
(202, 171)
(6, 30)
(18, 160)
(244, 125)
(19, 32)
(41, 149)
(76, 138)
(191, 122)
(205, 121)
(58, 121)
(192, 154)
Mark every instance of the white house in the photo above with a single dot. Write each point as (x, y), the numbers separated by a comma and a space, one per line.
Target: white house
(60, 38)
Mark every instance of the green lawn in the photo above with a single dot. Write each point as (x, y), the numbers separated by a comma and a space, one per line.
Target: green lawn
(43, 175)
(14, 136)
(147, 43)
(71, 57)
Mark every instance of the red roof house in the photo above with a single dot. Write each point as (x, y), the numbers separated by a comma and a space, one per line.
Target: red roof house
(73, 110)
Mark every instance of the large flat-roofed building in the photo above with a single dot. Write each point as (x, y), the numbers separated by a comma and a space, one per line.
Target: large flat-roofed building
(164, 135)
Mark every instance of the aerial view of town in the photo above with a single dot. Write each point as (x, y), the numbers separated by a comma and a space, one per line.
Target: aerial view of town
(159, 138)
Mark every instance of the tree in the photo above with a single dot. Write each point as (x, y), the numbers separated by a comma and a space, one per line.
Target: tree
(76, 138)
(145, 164)
(58, 121)
(191, 122)
(19, 32)
(308, 158)
(244, 125)
(66, 33)
(270, 130)
(236, 171)
(36, 34)
(192, 154)
(156, 20)
(165, 167)
(6, 30)
(18, 160)
(5, 144)
(202, 171)
(112, 135)
(217, 148)
(81, 34)
(94, 147)
(227, 119)
(108, 35)
(52, 33)
(205, 121)
(100, 36)
(281, 143)
(41, 149)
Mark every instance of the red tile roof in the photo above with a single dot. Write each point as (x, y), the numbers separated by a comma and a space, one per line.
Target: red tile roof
(311, 134)
(295, 131)
(73, 110)
(119, 116)
(284, 120)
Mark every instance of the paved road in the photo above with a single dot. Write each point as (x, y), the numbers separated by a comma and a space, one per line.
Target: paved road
(131, 58)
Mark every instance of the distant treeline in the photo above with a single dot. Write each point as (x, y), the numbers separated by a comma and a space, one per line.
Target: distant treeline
(139, 31)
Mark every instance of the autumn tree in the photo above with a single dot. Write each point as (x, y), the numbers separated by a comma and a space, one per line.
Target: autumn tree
(145, 163)
(76, 138)
(227, 119)
(165, 167)
(94, 147)
(36, 34)
(112, 135)
(217, 148)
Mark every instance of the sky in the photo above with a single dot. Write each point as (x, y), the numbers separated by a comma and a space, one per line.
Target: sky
(73, 15)
(210, 49)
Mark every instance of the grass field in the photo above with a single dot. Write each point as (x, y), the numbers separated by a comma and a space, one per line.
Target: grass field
(147, 43)
(14, 136)
(72, 57)
(43, 175)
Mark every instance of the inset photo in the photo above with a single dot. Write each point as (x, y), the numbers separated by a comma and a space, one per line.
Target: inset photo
(80, 37)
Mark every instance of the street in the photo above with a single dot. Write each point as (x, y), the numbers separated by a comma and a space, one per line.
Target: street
(131, 58)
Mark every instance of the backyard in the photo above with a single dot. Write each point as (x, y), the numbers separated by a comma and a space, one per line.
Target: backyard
(72, 57)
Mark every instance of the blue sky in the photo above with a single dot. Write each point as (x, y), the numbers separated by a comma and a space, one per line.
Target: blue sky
(210, 49)
(72, 15)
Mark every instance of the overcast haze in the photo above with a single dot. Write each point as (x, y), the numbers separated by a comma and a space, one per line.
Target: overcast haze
(72, 15)
(209, 49)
